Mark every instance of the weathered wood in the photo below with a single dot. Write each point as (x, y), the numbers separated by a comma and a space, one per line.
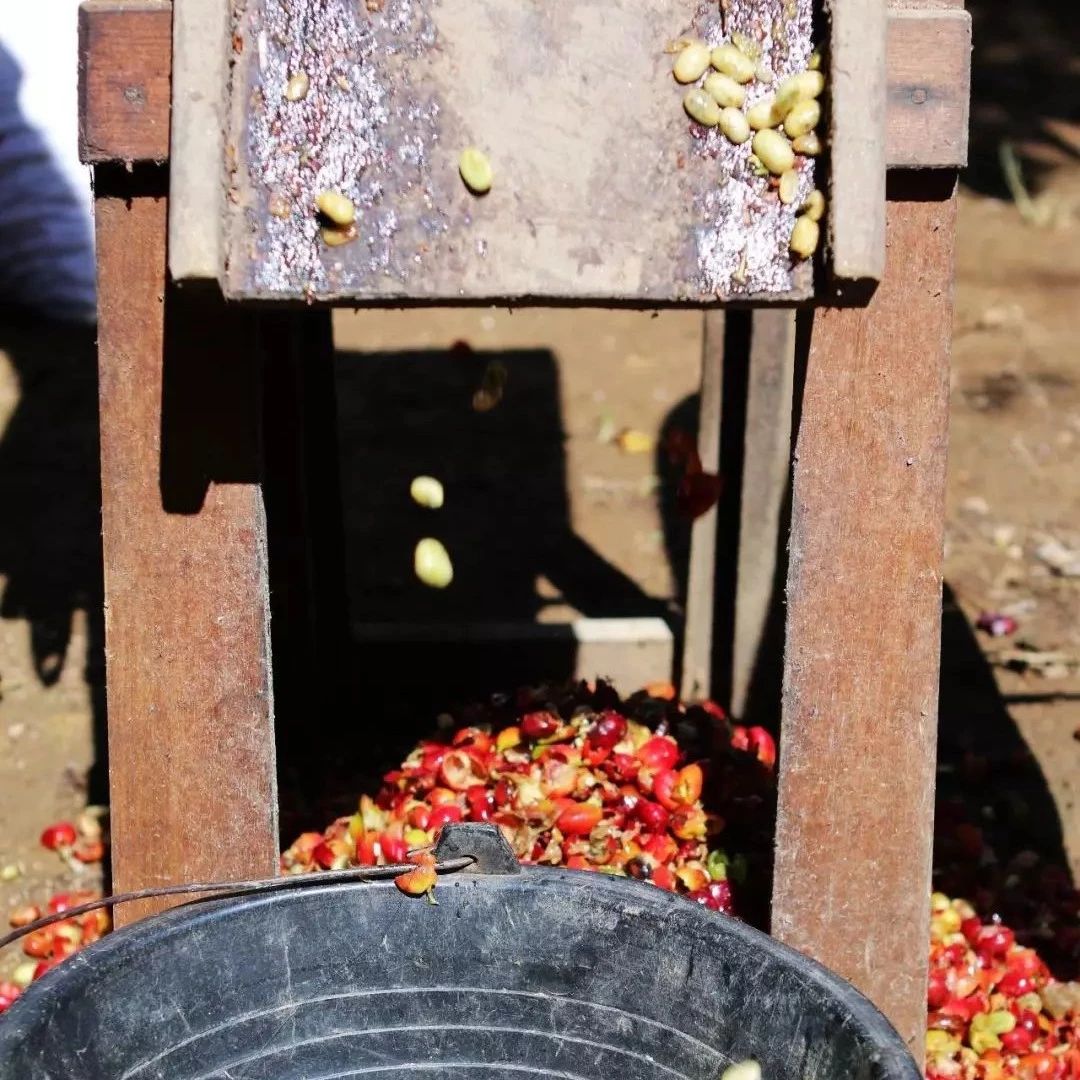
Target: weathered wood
(765, 479)
(696, 679)
(927, 51)
(191, 746)
(929, 90)
(864, 606)
(201, 52)
(125, 59)
(855, 224)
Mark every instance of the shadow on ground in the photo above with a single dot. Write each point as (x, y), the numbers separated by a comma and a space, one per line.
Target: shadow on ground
(1025, 88)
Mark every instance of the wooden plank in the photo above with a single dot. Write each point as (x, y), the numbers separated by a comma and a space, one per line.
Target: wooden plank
(696, 682)
(191, 742)
(588, 204)
(201, 56)
(929, 91)
(855, 224)
(765, 488)
(863, 627)
(124, 71)
(920, 132)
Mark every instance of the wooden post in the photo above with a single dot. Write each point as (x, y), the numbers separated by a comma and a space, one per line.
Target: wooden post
(852, 880)
(191, 742)
(696, 681)
(765, 473)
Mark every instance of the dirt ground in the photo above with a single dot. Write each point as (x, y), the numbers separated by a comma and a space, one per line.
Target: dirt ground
(546, 515)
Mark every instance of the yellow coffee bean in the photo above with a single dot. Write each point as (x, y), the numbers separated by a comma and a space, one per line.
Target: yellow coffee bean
(804, 237)
(746, 44)
(691, 63)
(803, 118)
(702, 107)
(734, 125)
(789, 187)
(814, 207)
(733, 62)
(432, 564)
(814, 63)
(762, 114)
(742, 1070)
(332, 236)
(296, 89)
(808, 144)
(807, 84)
(773, 151)
(337, 207)
(724, 90)
(427, 491)
(800, 87)
(475, 170)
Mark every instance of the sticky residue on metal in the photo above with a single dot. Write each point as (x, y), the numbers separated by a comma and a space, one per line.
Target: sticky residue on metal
(334, 138)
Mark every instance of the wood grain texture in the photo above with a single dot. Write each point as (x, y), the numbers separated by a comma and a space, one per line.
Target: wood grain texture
(696, 681)
(766, 472)
(920, 132)
(855, 224)
(928, 102)
(191, 747)
(201, 52)
(863, 627)
(125, 54)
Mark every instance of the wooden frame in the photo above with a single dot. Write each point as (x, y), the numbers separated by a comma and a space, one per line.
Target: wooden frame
(191, 726)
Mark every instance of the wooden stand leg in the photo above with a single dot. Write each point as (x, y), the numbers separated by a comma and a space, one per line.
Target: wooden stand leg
(191, 743)
(696, 681)
(853, 840)
(765, 478)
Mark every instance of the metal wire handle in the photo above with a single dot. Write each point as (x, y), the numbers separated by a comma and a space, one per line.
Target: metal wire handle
(237, 888)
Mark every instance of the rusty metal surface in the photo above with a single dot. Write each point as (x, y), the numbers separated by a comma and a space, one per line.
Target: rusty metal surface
(604, 190)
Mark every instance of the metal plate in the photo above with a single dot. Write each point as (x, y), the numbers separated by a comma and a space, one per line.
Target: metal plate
(604, 190)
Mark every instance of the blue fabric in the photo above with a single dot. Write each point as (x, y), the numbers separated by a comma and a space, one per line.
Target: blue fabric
(46, 250)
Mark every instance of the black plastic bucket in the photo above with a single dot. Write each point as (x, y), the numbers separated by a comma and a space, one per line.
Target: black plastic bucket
(530, 974)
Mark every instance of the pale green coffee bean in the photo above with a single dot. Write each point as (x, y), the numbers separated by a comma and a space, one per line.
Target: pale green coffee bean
(296, 89)
(773, 151)
(426, 491)
(724, 90)
(804, 237)
(691, 63)
(337, 207)
(746, 44)
(762, 115)
(789, 187)
(733, 62)
(803, 118)
(335, 236)
(800, 87)
(808, 144)
(431, 562)
(814, 63)
(734, 125)
(475, 170)
(814, 207)
(809, 84)
(702, 107)
(743, 1070)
